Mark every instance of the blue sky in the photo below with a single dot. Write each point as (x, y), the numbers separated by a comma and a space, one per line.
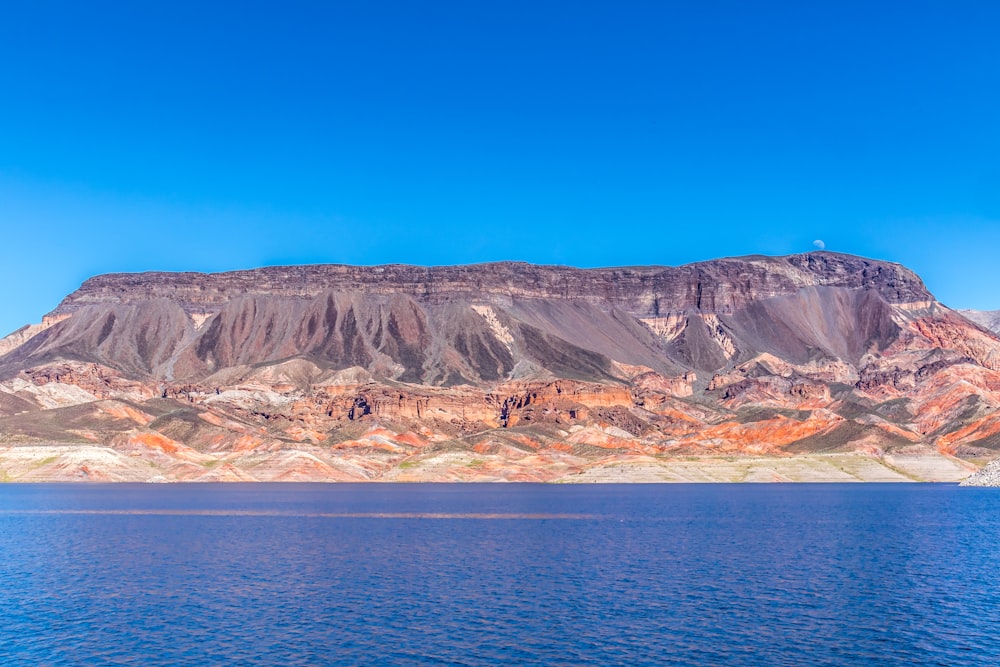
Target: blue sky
(213, 136)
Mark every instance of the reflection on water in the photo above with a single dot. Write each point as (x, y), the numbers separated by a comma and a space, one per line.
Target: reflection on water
(313, 515)
(480, 575)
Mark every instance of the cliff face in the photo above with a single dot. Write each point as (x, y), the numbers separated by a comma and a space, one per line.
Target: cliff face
(714, 286)
(339, 372)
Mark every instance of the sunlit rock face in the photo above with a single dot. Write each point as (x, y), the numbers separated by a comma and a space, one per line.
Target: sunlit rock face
(496, 371)
(988, 319)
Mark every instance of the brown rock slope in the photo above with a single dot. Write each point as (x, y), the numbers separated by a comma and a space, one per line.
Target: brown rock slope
(815, 366)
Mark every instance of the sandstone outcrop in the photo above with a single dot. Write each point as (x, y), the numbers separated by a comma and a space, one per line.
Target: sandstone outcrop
(518, 371)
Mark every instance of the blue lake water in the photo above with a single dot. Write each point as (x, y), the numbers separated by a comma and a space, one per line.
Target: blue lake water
(440, 574)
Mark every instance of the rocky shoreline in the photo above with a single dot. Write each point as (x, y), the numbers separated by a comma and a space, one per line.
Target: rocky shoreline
(987, 476)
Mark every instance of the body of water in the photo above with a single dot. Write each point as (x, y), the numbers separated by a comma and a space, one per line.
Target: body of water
(441, 574)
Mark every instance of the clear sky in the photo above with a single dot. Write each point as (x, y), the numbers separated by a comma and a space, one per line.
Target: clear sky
(211, 136)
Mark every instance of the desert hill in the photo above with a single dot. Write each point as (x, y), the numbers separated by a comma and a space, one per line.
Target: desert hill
(757, 366)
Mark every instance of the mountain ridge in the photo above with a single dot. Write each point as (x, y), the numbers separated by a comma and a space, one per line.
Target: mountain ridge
(757, 355)
(311, 279)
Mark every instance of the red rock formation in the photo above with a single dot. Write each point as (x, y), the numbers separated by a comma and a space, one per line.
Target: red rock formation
(336, 372)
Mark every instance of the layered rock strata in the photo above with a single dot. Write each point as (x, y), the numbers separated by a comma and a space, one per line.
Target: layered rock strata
(498, 371)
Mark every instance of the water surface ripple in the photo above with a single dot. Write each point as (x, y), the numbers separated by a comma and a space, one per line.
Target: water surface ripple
(439, 574)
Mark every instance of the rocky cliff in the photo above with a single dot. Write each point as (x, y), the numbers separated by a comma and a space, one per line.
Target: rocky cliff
(989, 319)
(501, 371)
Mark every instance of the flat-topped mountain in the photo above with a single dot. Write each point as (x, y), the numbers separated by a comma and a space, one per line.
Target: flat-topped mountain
(536, 372)
(717, 285)
(475, 324)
